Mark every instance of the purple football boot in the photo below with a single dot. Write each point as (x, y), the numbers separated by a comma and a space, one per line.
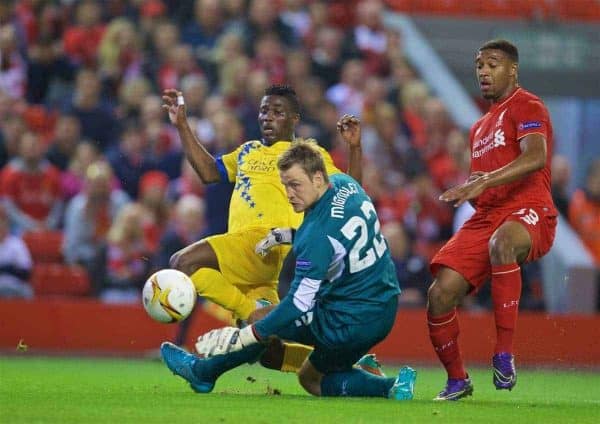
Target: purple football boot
(505, 374)
(456, 388)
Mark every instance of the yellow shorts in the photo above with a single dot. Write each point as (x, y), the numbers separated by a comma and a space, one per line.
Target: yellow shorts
(255, 276)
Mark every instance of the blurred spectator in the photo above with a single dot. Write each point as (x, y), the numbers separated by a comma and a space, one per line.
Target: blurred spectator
(72, 179)
(13, 67)
(385, 145)
(49, 72)
(391, 203)
(162, 142)
(195, 90)
(81, 40)
(412, 97)
(15, 262)
(98, 122)
(204, 30)
(295, 15)
(164, 35)
(584, 211)
(119, 54)
(297, 67)
(67, 135)
(438, 127)
(127, 264)
(326, 56)
(131, 159)
(428, 220)
(412, 270)
(263, 18)
(187, 183)
(186, 226)
(247, 112)
(401, 73)
(88, 218)
(31, 188)
(561, 176)
(370, 37)
(270, 58)
(180, 63)
(347, 95)
(153, 199)
(131, 97)
(12, 128)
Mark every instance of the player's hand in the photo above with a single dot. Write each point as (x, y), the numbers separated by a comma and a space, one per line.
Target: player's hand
(275, 237)
(174, 104)
(349, 128)
(475, 185)
(225, 340)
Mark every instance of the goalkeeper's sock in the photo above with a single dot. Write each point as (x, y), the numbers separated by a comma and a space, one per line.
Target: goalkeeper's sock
(209, 369)
(212, 285)
(443, 333)
(355, 383)
(506, 292)
(294, 355)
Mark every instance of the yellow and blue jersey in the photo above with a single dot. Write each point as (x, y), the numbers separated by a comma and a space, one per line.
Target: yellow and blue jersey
(259, 198)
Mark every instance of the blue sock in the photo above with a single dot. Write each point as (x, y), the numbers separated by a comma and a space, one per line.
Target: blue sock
(355, 383)
(211, 368)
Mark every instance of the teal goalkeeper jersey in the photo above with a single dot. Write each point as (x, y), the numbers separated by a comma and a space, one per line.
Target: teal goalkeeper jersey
(344, 271)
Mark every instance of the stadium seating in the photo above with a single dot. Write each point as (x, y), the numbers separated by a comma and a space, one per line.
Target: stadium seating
(51, 279)
(44, 246)
(567, 10)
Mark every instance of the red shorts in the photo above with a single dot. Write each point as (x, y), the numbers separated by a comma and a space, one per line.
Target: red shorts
(467, 252)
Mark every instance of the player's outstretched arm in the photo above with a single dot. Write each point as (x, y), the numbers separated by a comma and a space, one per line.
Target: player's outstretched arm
(202, 161)
(349, 128)
(531, 159)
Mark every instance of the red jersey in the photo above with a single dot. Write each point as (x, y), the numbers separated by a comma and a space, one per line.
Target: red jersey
(495, 142)
(33, 193)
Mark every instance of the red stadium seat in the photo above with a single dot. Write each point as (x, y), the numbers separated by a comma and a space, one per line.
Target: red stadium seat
(44, 246)
(50, 279)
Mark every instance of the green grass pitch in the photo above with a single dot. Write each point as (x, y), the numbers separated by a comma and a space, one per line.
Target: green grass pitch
(74, 390)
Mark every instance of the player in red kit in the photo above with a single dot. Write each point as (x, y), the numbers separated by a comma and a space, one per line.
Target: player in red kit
(514, 221)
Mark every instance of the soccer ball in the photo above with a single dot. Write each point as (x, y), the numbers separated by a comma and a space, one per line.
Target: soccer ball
(169, 296)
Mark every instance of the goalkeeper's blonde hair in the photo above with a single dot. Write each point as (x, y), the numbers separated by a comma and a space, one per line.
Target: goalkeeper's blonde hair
(307, 154)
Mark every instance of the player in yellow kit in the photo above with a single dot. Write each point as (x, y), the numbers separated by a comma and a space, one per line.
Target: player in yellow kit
(225, 268)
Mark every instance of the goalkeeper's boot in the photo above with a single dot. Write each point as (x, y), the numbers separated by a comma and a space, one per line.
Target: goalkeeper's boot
(370, 364)
(505, 374)
(185, 365)
(404, 386)
(456, 388)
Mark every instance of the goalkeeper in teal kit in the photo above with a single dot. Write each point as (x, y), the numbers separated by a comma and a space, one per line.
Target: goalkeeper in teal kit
(342, 301)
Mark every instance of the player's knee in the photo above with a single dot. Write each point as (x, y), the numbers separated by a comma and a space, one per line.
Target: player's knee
(182, 261)
(309, 383)
(439, 295)
(501, 249)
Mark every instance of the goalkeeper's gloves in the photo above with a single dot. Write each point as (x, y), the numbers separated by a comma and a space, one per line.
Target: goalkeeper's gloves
(225, 340)
(275, 237)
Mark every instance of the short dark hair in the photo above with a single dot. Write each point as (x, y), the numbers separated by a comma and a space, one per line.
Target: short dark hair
(506, 46)
(284, 91)
(306, 154)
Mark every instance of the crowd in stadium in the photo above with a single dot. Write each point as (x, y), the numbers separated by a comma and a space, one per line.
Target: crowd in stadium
(89, 158)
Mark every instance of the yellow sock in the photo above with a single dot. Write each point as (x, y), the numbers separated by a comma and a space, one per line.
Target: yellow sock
(294, 356)
(211, 285)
